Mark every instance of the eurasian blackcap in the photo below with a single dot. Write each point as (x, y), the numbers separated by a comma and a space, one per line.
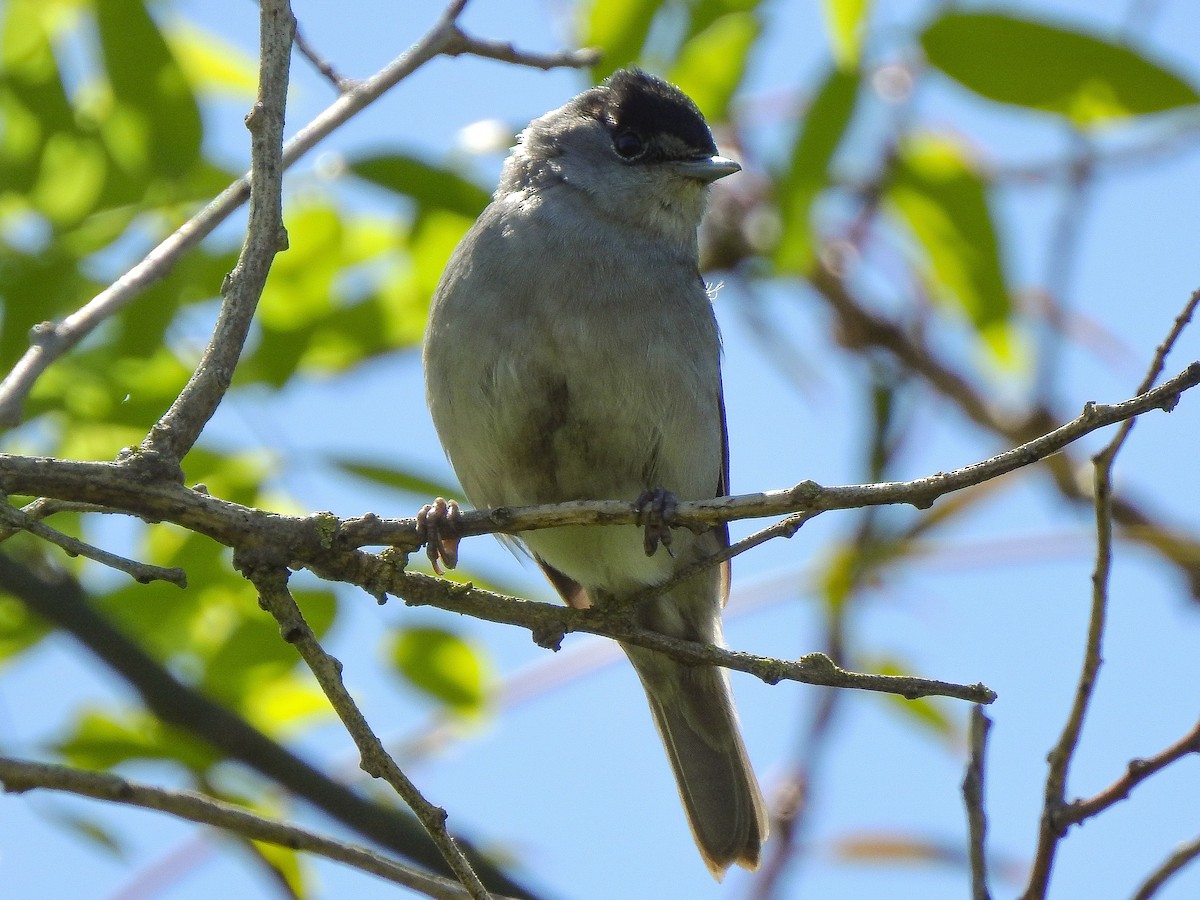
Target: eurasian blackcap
(572, 354)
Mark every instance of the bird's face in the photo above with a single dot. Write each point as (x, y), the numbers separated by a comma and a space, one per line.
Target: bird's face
(635, 151)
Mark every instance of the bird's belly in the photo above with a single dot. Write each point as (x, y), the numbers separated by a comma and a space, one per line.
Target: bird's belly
(608, 557)
(588, 434)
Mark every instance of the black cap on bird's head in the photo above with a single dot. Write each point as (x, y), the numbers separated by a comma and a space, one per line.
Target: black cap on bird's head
(631, 100)
(651, 120)
(634, 149)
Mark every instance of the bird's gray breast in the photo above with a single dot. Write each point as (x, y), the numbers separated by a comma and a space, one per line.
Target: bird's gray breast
(573, 367)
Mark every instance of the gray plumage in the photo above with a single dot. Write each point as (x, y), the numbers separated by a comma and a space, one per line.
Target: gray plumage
(571, 354)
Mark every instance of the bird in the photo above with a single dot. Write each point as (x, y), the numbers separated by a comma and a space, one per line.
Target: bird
(572, 353)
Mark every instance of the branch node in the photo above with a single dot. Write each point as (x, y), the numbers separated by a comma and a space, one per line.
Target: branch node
(501, 516)
(43, 334)
(1138, 766)
(548, 637)
(816, 664)
(327, 527)
(151, 465)
(255, 116)
(805, 493)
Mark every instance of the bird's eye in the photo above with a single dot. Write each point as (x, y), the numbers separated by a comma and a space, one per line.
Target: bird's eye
(629, 144)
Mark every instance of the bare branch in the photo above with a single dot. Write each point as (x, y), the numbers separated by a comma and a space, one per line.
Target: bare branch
(1136, 772)
(322, 65)
(859, 327)
(549, 623)
(19, 776)
(1181, 857)
(972, 788)
(271, 582)
(461, 43)
(1052, 826)
(179, 428)
(12, 520)
(1156, 367)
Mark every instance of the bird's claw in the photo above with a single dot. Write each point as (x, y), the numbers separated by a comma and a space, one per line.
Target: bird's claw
(656, 509)
(437, 523)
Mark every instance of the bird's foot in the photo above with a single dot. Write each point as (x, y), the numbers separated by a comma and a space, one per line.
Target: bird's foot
(437, 523)
(656, 509)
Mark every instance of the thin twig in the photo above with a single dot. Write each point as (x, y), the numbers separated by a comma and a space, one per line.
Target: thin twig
(549, 623)
(972, 788)
(179, 428)
(12, 520)
(1183, 855)
(52, 341)
(321, 64)
(271, 582)
(1137, 771)
(1052, 825)
(461, 43)
(859, 327)
(19, 776)
(1050, 828)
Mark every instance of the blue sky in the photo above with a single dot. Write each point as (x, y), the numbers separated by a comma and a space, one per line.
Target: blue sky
(572, 779)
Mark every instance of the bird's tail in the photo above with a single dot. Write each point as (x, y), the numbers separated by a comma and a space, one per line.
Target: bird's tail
(693, 709)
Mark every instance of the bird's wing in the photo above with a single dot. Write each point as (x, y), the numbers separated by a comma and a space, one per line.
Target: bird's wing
(723, 491)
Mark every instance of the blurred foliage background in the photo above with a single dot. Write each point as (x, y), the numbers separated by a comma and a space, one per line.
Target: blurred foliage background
(887, 226)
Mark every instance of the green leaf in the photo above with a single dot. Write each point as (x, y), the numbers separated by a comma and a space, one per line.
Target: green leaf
(288, 865)
(431, 245)
(33, 101)
(619, 29)
(939, 196)
(344, 291)
(395, 479)
(247, 654)
(729, 39)
(1087, 79)
(444, 666)
(155, 124)
(195, 277)
(284, 706)
(808, 173)
(100, 741)
(35, 288)
(927, 713)
(703, 13)
(846, 21)
(72, 178)
(100, 386)
(432, 187)
(19, 630)
(95, 832)
(211, 63)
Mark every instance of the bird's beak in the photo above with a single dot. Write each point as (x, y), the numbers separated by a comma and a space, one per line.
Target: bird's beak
(707, 170)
